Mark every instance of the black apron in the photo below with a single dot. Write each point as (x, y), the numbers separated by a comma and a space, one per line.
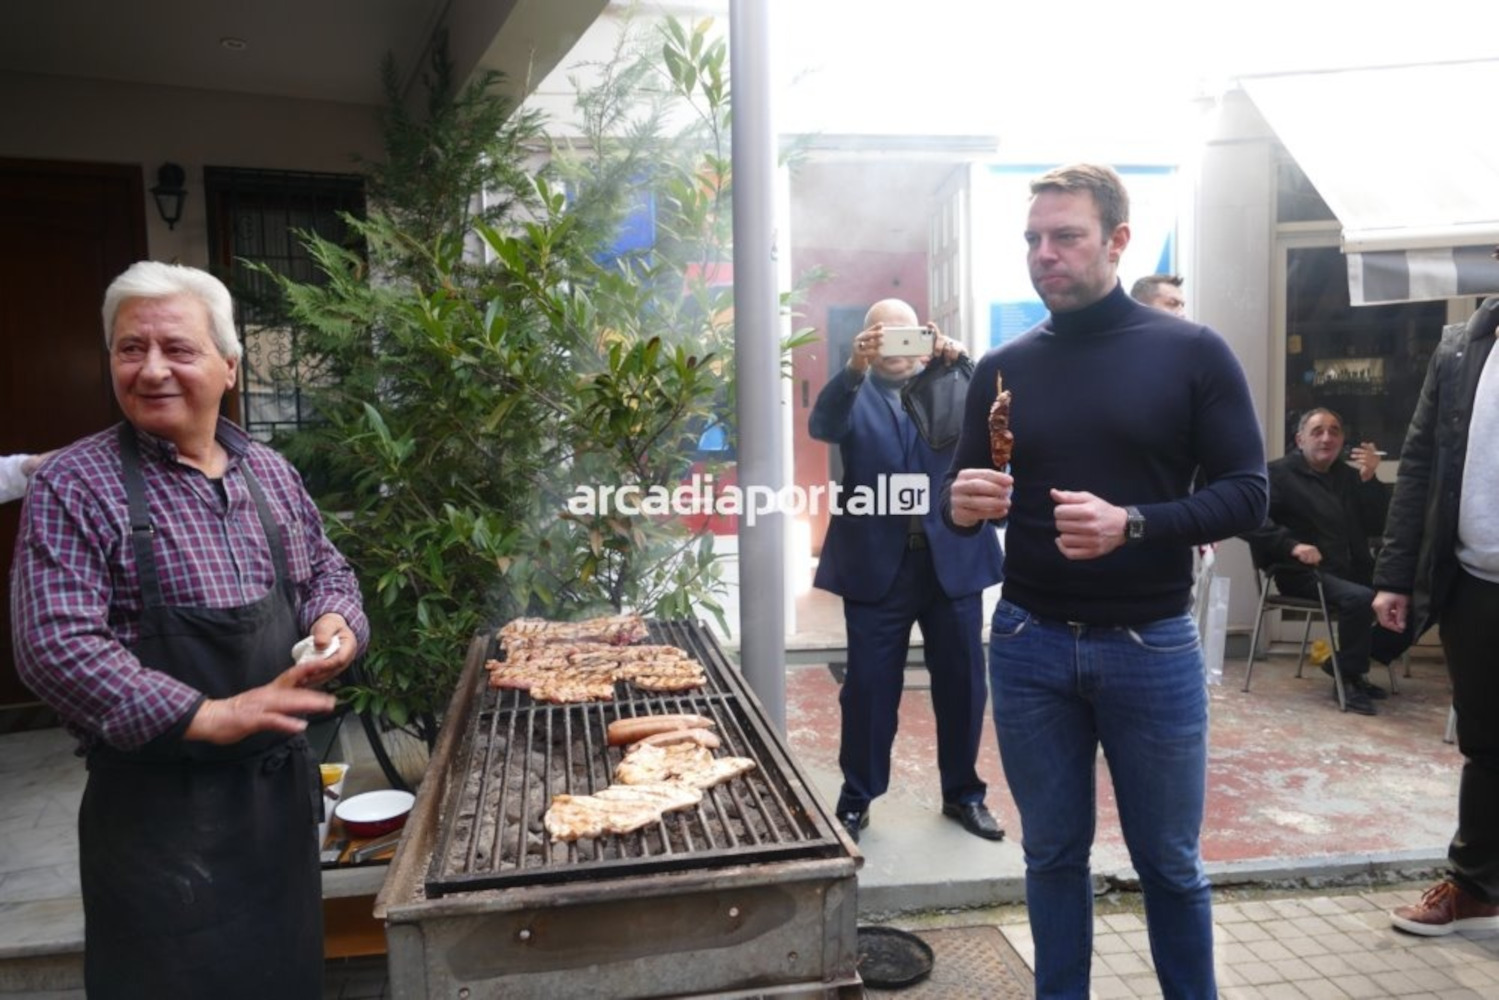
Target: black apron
(198, 862)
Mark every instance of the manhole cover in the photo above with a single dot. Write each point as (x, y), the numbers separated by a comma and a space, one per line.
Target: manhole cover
(892, 959)
(969, 963)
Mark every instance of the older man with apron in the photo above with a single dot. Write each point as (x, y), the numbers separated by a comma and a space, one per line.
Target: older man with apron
(164, 570)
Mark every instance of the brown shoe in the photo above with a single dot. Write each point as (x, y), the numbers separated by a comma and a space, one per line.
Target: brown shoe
(1445, 908)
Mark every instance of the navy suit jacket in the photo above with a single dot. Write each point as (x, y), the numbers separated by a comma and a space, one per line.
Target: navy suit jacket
(862, 552)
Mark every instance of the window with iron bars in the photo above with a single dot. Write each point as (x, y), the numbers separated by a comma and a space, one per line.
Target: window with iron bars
(257, 217)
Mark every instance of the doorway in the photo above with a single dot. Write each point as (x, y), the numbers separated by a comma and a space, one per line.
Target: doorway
(66, 231)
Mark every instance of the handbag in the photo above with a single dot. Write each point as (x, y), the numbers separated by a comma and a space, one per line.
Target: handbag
(934, 401)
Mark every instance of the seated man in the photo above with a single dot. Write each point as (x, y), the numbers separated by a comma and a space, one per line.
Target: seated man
(1323, 511)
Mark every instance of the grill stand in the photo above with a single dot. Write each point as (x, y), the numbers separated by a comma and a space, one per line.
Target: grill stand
(785, 928)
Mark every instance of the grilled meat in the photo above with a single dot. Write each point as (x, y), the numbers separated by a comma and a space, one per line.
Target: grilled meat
(616, 809)
(586, 671)
(647, 764)
(617, 630)
(1001, 441)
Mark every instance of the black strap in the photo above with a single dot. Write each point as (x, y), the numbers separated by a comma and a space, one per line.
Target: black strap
(142, 530)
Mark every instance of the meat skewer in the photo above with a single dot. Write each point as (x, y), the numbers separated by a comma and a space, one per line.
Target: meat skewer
(1001, 441)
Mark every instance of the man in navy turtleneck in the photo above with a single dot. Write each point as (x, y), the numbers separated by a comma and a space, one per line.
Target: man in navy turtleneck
(894, 570)
(1115, 406)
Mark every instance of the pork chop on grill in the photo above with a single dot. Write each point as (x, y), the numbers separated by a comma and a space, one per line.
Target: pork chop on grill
(664, 675)
(647, 764)
(616, 809)
(618, 630)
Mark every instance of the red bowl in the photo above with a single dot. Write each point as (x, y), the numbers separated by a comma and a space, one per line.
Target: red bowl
(374, 813)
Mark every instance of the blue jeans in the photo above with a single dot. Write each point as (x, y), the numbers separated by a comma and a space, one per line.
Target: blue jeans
(1060, 691)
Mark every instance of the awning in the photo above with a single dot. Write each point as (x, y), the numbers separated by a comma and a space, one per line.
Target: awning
(1408, 164)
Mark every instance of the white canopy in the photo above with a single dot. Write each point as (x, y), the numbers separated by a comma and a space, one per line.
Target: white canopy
(1408, 163)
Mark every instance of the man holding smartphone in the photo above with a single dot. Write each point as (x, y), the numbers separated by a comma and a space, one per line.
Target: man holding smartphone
(898, 568)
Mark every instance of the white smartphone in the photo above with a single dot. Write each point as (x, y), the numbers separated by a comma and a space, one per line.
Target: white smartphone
(905, 341)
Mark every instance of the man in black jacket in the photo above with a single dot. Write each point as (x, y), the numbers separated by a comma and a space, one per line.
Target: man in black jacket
(1323, 511)
(1441, 562)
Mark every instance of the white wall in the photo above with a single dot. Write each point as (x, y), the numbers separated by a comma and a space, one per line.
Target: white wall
(54, 118)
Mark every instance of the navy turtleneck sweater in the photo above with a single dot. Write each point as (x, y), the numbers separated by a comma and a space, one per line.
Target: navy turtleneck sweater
(1125, 402)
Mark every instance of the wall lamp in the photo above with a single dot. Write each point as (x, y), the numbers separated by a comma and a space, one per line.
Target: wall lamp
(169, 193)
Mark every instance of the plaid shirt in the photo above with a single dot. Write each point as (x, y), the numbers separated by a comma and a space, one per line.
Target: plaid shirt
(75, 594)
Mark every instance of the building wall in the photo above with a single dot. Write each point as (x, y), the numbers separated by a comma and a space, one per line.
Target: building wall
(56, 118)
(1230, 283)
(860, 279)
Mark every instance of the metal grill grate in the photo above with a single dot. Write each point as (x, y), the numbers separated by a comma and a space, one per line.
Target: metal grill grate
(516, 754)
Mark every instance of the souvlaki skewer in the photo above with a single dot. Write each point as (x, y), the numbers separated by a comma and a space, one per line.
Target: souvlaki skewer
(1001, 441)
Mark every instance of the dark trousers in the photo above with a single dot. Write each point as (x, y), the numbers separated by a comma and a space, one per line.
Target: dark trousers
(1470, 638)
(879, 638)
(1352, 604)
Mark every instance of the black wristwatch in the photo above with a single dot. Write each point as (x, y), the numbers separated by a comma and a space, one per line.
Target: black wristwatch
(1134, 526)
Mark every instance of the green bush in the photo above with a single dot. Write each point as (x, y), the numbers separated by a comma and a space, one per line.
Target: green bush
(484, 353)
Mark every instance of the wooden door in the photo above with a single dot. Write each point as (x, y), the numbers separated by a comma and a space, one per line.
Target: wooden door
(66, 230)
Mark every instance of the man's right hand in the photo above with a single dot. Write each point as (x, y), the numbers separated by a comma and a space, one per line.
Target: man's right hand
(275, 707)
(867, 348)
(1308, 554)
(1390, 610)
(980, 495)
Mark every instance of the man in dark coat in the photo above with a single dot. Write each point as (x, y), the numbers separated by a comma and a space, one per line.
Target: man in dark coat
(1440, 562)
(1323, 513)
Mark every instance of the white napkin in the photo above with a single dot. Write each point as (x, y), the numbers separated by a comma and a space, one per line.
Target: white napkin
(306, 650)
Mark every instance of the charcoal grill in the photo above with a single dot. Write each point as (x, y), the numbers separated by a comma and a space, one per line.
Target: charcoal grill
(751, 893)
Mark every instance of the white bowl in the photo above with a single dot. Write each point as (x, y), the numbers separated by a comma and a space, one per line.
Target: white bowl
(374, 813)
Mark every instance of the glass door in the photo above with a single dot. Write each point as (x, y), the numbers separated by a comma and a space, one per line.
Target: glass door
(1365, 363)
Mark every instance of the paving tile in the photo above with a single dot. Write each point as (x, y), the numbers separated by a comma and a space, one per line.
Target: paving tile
(1305, 947)
(1288, 909)
(1144, 987)
(1321, 989)
(1358, 987)
(1396, 983)
(1228, 913)
(1258, 974)
(1110, 988)
(1125, 964)
(1270, 951)
(1258, 910)
(1111, 944)
(1250, 933)
(1331, 965)
(1481, 977)
(1241, 993)
(1122, 922)
(1435, 980)
(1294, 970)
(1282, 991)
(1227, 975)
(1235, 953)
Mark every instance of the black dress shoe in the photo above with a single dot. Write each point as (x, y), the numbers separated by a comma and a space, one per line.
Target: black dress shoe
(1354, 699)
(853, 821)
(975, 818)
(1359, 682)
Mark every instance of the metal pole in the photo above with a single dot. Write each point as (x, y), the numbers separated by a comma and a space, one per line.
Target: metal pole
(762, 545)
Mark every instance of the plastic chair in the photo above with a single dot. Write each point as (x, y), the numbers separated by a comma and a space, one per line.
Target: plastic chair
(1272, 600)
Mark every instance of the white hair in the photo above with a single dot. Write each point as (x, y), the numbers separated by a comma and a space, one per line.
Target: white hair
(153, 279)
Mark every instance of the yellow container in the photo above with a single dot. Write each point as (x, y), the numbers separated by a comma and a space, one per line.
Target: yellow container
(1320, 652)
(333, 773)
